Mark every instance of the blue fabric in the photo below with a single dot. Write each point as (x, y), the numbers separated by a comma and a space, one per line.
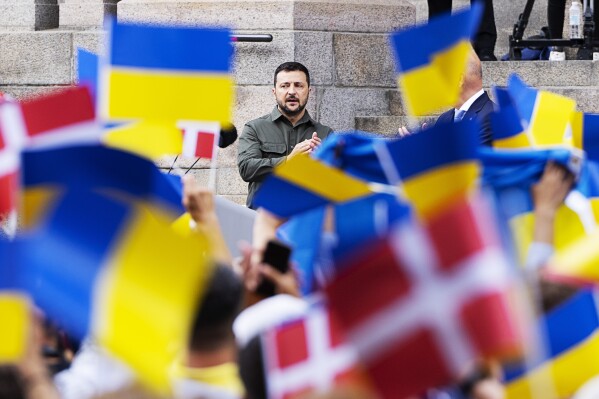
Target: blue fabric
(416, 46)
(524, 97)
(590, 136)
(98, 167)
(87, 71)
(164, 48)
(353, 152)
(505, 122)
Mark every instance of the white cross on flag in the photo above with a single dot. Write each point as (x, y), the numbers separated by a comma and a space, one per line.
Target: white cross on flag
(200, 139)
(424, 303)
(309, 355)
(10, 147)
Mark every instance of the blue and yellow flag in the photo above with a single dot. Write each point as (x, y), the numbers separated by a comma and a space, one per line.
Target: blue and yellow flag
(304, 183)
(585, 135)
(92, 167)
(431, 60)
(508, 132)
(168, 73)
(87, 71)
(149, 139)
(572, 355)
(546, 116)
(119, 273)
(434, 166)
(578, 261)
(14, 308)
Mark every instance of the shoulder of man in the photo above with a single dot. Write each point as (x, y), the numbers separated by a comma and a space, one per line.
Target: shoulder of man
(263, 120)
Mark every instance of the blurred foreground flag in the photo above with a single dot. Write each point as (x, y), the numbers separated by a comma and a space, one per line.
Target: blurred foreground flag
(508, 132)
(578, 261)
(14, 309)
(546, 116)
(305, 183)
(586, 135)
(149, 138)
(200, 139)
(426, 301)
(9, 167)
(169, 73)
(572, 355)
(425, 162)
(121, 274)
(62, 117)
(309, 355)
(431, 60)
(112, 171)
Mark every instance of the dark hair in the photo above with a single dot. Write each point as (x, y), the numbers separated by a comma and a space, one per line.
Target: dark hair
(11, 383)
(292, 66)
(251, 369)
(213, 326)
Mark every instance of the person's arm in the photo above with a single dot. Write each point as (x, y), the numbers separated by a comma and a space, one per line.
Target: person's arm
(548, 195)
(252, 166)
(34, 375)
(199, 202)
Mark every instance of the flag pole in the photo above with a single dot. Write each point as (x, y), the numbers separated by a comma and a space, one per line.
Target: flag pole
(213, 166)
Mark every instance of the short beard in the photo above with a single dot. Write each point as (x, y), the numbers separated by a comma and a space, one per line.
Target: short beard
(283, 108)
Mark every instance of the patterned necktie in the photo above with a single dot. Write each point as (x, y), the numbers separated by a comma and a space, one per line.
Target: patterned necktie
(459, 115)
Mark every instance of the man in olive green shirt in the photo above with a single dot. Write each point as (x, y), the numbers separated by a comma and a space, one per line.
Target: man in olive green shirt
(287, 131)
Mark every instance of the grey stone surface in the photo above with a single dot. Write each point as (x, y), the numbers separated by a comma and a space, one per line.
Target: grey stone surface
(255, 63)
(396, 106)
(541, 73)
(39, 58)
(238, 199)
(25, 92)
(330, 15)
(388, 125)
(338, 107)
(363, 60)
(230, 183)
(253, 15)
(93, 41)
(353, 15)
(83, 14)
(315, 51)
(29, 15)
(587, 99)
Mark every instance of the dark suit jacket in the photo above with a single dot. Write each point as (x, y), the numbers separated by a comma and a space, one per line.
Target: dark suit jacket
(480, 109)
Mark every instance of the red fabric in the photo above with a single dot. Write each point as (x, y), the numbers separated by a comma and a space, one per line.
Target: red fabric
(8, 193)
(61, 109)
(375, 268)
(205, 145)
(286, 348)
(374, 283)
(455, 235)
(2, 140)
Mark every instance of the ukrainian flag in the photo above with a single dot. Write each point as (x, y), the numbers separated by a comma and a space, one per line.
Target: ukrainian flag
(120, 274)
(435, 166)
(431, 60)
(304, 183)
(573, 353)
(546, 116)
(48, 173)
(585, 135)
(508, 132)
(578, 261)
(170, 73)
(14, 309)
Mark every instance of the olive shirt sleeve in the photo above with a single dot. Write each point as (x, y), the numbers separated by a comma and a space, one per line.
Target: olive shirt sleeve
(252, 166)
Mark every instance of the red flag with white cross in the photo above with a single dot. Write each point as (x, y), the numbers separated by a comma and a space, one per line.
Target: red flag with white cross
(200, 139)
(309, 355)
(421, 305)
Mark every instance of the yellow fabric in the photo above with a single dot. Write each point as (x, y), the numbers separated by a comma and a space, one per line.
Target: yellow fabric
(148, 295)
(577, 129)
(181, 225)
(36, 203)
(137, 94)
(430, 192)
(580, 259)
(436, 86)
(321, 179)
(568, 373)
(14, 313)
(550, 118)
(150, 139)
(567, 229)
(520, 140)
(225, 376)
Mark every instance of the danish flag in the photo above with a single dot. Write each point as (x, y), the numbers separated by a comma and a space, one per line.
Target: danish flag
(61, 117)
(309, 355)
(424, 303)
(200, 139)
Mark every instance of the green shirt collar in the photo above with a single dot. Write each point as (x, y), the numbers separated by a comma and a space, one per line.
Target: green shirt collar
(276, 114)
